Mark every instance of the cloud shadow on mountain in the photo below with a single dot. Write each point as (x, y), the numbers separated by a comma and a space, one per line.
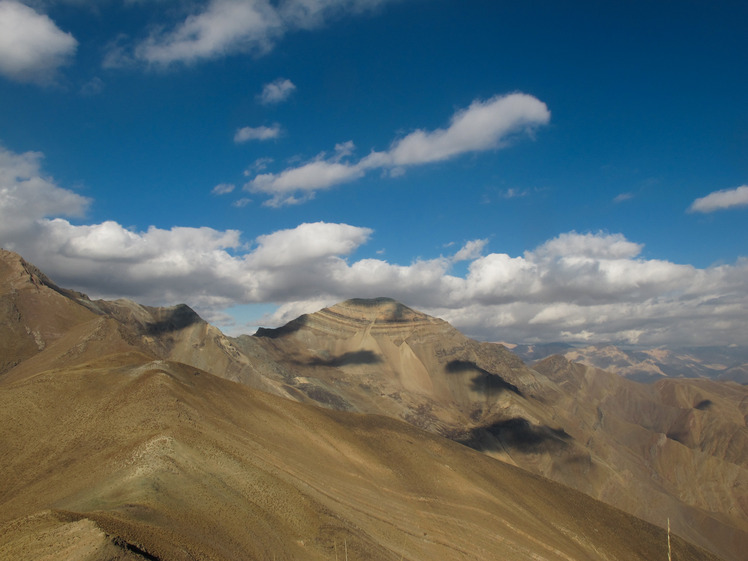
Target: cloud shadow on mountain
(347, 359)
(177, 319)
(704, 404)
(518, 434)
(484, 381)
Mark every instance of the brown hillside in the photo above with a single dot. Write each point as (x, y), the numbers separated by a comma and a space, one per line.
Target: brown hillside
(157, 460)
(632, 445)
(34, 311)
(675, 450)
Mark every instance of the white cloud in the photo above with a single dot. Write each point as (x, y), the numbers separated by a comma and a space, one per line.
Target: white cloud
(276, 91)
(260, 164)
(303, 180)
(720, 200)
(257, 133)
(513, 193)
(343, 150)
(623, 197)
(597, 246)
(26, 196)
(224, 27)
(484, 125)
(307, 14)
(471, 250)
(32, 47)
(241, 203)
(593, 287)
(223, 188)
(307, 242)
(154, 266)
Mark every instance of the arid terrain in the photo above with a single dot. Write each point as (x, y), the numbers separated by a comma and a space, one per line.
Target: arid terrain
(649, 364)
(365, 431)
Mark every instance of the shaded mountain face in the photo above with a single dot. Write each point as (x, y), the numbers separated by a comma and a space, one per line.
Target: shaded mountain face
(128, 434)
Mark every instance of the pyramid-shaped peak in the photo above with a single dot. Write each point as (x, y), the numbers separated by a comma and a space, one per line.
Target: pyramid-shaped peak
(342, 319)
(377, 310)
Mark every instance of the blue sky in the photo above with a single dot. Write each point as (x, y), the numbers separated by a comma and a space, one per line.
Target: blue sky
(530, 171)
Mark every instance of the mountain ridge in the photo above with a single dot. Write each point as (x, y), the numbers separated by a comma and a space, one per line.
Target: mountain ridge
(566, 427)
(183, 465)
(380, 358)
(648, 364)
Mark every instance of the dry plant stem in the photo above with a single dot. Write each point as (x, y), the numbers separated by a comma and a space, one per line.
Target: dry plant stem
(669, 552)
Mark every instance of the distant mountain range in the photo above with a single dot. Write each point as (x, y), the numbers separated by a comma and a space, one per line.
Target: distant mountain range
(367, 430)
(647, 365)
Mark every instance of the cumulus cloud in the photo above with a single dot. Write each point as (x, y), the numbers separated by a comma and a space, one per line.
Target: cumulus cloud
(257, 133)
(306, 243)
(32, 47)
(484, 125)
(27, 196)
(720, 200)
(276, 91)
(590, 286)
(224, 27)
(596, 246)
(576, 287)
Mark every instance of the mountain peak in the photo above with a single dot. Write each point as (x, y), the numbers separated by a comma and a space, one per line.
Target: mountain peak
(17, 273)
(376, 310)
(353, 315)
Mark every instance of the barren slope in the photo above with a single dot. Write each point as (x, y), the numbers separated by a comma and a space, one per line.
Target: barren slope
(678, 452)
(649, 365)
(44, 326)
(635, 446)
(34, 311)
(677, 449)
(157, 460)
(379, 355)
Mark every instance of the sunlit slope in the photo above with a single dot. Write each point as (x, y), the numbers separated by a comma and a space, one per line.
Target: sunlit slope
(44, 326)
(673, 450)
(676, 449)
(159, 460)
(379, 355)
(35, 313)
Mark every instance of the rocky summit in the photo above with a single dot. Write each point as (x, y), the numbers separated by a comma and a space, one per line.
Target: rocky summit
(367, 430)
